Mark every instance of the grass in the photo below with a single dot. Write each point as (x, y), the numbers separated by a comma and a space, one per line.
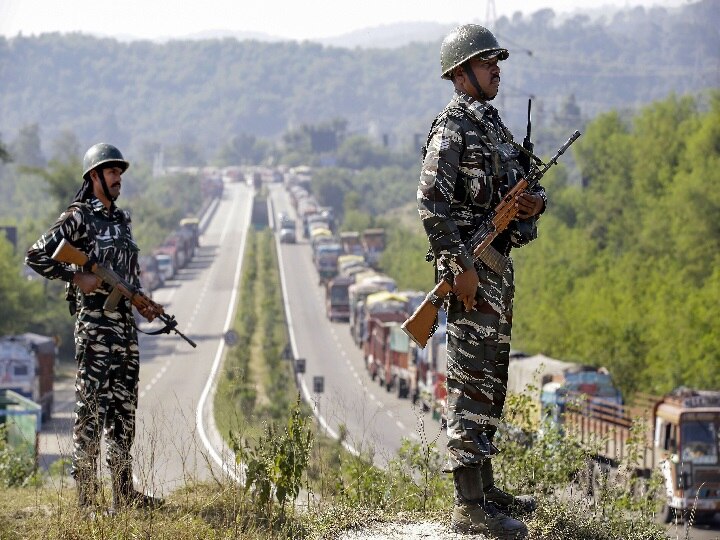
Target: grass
(303, 485)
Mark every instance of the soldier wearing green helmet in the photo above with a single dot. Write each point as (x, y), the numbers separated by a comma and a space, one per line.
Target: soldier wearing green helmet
(470, 161)
(106, 344)
(466, 42)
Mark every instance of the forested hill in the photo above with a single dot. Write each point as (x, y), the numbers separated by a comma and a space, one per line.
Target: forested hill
(139, 94)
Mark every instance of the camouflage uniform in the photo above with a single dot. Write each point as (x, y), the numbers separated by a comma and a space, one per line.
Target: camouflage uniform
(107, 355)
(462, 179)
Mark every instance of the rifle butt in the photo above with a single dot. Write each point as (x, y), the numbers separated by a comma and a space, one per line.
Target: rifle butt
(420, 324)
(67, 253)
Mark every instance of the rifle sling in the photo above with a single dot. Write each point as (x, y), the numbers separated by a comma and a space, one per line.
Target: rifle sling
(164, 330)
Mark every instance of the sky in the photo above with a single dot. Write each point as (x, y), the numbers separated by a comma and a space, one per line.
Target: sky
(290, 19)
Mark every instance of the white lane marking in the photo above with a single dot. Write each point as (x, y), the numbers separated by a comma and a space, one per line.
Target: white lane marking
(293, 343)
(210, 384)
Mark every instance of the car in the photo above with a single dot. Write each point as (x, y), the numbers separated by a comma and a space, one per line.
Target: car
(287, 234)
(165, 265)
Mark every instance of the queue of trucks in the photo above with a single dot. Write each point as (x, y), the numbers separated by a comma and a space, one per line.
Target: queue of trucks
(174, 253)
(681, 429)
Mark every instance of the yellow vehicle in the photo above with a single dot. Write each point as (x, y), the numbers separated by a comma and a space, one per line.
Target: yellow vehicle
(192, 225)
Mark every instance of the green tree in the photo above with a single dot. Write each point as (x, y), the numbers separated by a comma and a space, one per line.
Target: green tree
(62, 177)
(358, 152)
(25, 149)
(20, 297)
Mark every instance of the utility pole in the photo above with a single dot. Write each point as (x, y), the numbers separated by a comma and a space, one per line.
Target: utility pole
(490, 15)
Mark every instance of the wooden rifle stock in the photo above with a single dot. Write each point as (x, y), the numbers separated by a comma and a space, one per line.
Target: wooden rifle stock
(419, 326)
(67, 253)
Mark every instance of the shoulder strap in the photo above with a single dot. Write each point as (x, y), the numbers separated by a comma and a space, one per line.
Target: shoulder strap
(435, 122)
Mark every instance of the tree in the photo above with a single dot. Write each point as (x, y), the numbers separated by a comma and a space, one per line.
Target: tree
(20, 298)
(242, 149)
(62, 176)
(4, 153)
(358, 152)
(25, 149)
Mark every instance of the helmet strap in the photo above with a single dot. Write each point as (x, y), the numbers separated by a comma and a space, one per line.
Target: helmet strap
(473, 80)
(105, 189)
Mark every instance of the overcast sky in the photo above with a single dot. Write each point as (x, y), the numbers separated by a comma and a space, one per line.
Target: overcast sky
(292, 19)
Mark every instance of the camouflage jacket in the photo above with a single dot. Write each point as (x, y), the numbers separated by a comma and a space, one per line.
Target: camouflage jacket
(463, 178)
(107, 236)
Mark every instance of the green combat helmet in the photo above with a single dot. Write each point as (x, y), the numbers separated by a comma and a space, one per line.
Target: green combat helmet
(100, 154)
(466, 42)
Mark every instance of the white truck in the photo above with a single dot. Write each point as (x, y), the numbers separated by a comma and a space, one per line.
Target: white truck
(27, 366)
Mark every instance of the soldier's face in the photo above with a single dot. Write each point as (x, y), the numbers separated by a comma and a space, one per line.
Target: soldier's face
(112, 180)
(487, 73)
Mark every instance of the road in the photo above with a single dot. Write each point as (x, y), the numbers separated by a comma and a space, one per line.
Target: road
(176, 439)
(374, 419)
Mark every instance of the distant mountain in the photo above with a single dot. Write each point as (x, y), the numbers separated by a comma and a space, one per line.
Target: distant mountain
(202, 92)
(390, 36)
(201, 36)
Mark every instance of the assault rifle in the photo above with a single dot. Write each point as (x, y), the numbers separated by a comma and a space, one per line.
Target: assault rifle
(419, 327)
(69, 254)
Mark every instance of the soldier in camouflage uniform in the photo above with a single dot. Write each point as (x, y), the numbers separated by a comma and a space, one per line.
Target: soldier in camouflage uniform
(469, 163)
(107, 355)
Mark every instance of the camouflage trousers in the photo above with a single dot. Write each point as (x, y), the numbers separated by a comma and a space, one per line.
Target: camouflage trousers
(478, 350)
(106, 395)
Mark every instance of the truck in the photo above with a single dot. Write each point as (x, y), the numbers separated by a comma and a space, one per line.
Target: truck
(325, 256)
(167, 261)
(358, 293)
(401, 350)
(346, 262)
(337, 298)
(150, 276)
(373, 243)
(680, 441)
(365, 284)
(396, 369)
(27, 366)
(680, 432)
(428, 373)
(383, 309)
(351, 243)
(21, 421)
(192, 227)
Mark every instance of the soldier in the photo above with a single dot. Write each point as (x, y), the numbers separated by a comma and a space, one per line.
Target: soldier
(106, 345)
(469, 163)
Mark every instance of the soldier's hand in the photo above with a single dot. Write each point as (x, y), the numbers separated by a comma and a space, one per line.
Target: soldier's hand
(528, 205)
(465, 287)
(87, 282)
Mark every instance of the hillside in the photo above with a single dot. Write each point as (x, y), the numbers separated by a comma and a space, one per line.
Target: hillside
(142, 94)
